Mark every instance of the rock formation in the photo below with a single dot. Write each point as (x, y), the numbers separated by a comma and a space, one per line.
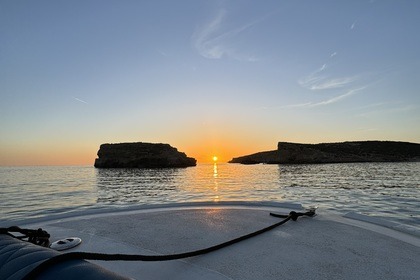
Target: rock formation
(360, 151)
(141, 155)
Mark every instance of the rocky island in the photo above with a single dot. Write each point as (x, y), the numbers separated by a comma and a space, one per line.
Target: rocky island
(141, 155)
(358, 151)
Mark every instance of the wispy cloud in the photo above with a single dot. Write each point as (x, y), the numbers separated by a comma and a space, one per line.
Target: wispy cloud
(313, 78)
(204, 39)
(80, 100)
(310, 80)
(338, 98)
(353, 25)
(332, 83)
(332, 100)
(320, 81)
(212, 40)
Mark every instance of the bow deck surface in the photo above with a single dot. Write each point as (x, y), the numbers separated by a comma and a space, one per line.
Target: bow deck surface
(322, 247)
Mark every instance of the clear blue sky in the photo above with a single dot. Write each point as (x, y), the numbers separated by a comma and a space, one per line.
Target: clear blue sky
(208, 77)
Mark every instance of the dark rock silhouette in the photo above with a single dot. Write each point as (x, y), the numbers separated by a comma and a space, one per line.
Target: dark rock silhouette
(141, 155)
(359, 151)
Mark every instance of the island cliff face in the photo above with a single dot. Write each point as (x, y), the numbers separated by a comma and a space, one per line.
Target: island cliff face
(141, 155)
(360, 151)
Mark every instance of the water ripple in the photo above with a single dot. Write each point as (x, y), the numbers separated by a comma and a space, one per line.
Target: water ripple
(384, 189)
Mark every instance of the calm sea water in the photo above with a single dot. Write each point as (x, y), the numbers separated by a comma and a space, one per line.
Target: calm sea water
(390, 190)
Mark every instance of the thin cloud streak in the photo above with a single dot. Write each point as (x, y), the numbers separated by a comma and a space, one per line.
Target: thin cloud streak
(312, 78)
(338, 98)
(204, 39)
(318, 80)
(326, 102)
(333, 83)
(210, 41)
(80, 100)
(315, 81)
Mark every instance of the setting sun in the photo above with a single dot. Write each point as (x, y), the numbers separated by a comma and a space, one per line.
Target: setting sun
(214, 158)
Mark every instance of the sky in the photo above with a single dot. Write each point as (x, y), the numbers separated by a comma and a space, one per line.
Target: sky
(224, 78)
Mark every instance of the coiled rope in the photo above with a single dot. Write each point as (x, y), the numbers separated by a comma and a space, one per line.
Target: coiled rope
(36, 236)
(147, 258)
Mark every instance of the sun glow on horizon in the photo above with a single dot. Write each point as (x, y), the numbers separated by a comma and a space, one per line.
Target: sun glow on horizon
(215, 158)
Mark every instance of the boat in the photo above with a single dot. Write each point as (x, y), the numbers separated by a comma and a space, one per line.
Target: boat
(272, 241)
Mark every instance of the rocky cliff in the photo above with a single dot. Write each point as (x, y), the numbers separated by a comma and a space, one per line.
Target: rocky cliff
(360, 151)
(141, 155)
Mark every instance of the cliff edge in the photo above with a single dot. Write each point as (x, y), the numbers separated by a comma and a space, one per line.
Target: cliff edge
(141, 155)
(358, 151)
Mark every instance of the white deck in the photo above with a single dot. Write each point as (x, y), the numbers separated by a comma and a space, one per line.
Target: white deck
(326, 246)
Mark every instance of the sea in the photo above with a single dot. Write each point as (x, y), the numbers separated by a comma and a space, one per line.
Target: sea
(388, 191)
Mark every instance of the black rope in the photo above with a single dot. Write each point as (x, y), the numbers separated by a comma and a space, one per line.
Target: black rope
(147, 258)
(36, 236)
(295, 215)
